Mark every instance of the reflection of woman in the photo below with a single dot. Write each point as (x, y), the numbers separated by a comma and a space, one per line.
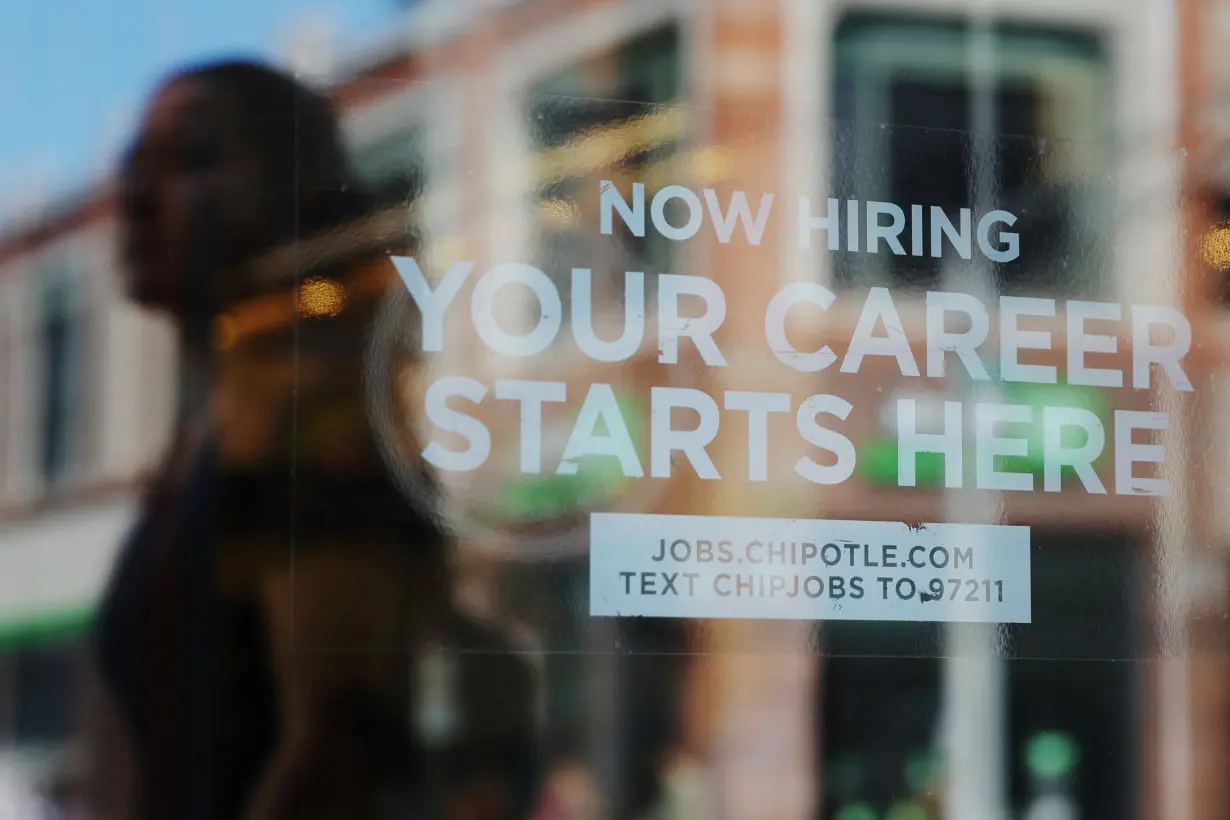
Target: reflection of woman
(266, 643)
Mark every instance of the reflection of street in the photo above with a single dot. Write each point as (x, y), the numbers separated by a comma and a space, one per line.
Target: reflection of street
(687, 790)
(41, 785)
(569, 793)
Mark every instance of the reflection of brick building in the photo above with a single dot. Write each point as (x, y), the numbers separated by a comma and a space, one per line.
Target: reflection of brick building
(459, 112)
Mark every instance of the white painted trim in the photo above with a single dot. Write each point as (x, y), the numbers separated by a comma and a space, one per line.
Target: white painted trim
(20, 485)
(806, 148)
(428, 23)
(60, 561)
(581, 35)
(366, 124)
(441, 209)
(1052, 12)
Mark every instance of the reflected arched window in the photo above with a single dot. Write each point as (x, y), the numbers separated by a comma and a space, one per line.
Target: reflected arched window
(61, 407)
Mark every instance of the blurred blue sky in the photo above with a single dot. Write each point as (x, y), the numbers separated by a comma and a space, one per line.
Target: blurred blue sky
(75, 72)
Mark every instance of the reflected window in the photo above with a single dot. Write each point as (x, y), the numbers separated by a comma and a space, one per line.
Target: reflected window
(608, 117)
(911, 97)
(61, 371)
(393, 166)
(1074, 723)
(880, 717)
(1071, 733)
(45, 692)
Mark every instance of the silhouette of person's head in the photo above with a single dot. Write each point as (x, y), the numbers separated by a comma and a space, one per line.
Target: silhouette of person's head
(231, 159)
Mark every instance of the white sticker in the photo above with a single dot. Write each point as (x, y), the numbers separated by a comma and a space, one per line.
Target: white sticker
(679, 566)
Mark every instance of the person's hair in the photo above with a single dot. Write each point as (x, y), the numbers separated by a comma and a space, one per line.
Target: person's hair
(297, 139)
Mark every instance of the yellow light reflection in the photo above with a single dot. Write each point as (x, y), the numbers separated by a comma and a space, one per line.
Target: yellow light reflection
(225, 332)
(602, 148)
(558, 212)
(712, 164)
(1216, 246)
(321, 297)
